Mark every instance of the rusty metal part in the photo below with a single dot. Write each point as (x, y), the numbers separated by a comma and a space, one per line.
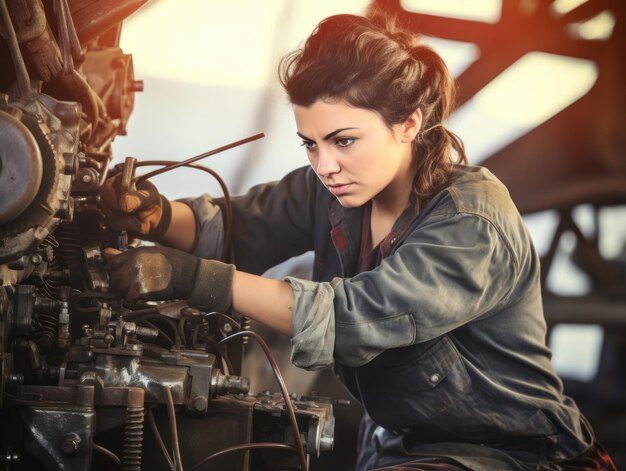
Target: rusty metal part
(61, 422)
(54, 125)
(316, 412)
(20, 167)
(110, 73)
(8, 31)
(97, 276)
(34, 34)
(128, 174)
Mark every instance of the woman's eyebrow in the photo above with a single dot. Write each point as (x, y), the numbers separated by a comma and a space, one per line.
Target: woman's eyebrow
(327, 136)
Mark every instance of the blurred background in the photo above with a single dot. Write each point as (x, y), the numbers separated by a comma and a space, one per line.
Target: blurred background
(541, 103)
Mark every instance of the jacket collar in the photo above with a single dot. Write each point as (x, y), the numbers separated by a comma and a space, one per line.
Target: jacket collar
(346, 233)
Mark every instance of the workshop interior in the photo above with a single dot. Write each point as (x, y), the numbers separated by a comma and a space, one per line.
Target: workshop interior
(188, 92)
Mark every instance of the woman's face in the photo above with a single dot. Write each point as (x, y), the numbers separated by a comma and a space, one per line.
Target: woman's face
(354, 153)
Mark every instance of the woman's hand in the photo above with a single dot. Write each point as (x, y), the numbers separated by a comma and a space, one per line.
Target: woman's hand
(142, 211)
(162, 273)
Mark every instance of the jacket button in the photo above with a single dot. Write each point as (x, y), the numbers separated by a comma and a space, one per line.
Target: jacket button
(434, 378)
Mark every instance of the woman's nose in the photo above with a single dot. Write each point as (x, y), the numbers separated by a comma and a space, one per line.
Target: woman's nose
(327, 164)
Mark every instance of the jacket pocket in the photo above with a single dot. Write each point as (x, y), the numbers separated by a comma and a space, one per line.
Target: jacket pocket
(406, 386)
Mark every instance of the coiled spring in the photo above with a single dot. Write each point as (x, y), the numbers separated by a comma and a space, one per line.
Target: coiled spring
(133, 437)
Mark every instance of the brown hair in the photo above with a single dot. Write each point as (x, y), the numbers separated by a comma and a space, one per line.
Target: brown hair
(370, 63)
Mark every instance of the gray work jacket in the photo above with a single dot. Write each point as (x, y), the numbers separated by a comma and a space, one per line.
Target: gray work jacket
(443, 343)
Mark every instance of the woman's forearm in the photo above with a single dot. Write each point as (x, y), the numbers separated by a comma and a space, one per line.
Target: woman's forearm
(181, 233)
(264, 300)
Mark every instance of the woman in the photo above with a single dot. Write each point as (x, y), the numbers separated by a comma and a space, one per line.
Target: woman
(426, 294)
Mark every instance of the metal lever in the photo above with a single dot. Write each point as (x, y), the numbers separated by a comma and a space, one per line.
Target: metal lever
(128, 175)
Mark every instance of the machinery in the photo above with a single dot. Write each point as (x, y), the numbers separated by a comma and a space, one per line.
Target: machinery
(88, 381)
(83, 373)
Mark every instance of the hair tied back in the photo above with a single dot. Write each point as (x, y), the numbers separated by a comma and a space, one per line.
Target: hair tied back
(420, 138)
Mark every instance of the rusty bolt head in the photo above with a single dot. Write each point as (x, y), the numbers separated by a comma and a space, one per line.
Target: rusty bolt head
(70, 444)
(200, 403)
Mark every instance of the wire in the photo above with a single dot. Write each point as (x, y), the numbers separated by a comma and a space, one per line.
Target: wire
(227, 318)
(245, 446)
(159, 439)
(108, 453)
(227, 254)
(173, 429)
(168, 321)
(219, 350)
(197, 157)
(222, 351)
(289, 405)
(161, 332)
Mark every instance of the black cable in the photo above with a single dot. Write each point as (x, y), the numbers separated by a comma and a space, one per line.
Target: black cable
(232, 322)
(227, 254)
(171, 413)
(168, 321)
(198, 157)
(159, 439)
(108, 453)
(226, 317)
(245, 446)
(219, 350)
(289, 405)
(161, 332)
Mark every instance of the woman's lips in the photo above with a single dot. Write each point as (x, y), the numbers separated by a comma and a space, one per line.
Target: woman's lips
(339, 190)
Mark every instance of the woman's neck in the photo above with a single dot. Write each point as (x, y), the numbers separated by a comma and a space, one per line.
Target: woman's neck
(388, 205)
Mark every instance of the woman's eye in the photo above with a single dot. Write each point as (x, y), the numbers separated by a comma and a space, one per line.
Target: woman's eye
(308, 145)
(344, 141)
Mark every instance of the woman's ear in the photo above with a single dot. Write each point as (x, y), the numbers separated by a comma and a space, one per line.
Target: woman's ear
(411, 126)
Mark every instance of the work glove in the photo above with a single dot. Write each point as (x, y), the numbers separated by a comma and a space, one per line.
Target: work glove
(162, 273)
(143, 212)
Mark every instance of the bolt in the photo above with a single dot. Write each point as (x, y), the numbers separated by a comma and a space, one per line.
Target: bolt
(200, 403)
(228, 328)
(136, 86)
(36, 259)
(70, 444)
(86, 178)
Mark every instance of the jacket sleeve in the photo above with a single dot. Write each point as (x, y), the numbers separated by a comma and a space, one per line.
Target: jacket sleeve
(450, 271)
(274, 221)
(271, 223)
(209, 226)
